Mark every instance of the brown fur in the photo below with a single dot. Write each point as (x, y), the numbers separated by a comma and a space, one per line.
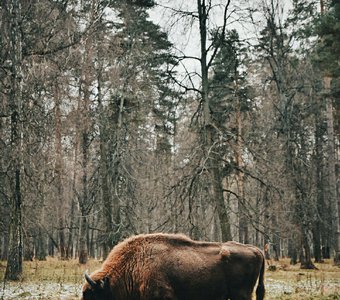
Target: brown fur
(174, 267)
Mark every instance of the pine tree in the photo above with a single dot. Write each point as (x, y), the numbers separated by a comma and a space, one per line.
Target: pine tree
(140, 99)
(230, 100)
(327, 61)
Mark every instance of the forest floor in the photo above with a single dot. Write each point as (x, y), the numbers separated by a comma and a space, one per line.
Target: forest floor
(55, 279)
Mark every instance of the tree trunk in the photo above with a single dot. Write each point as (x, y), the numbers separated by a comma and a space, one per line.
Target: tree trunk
(213, 159)
(4, 248)
(292, 250)
(4, 235)
(74, 180)
(243, 221)
(317, 242)
(104, 173)
(83, 253)
(28, 248)
(276, 237)
(40, 245)
(107, 208)
(84, 202)
(69, 247)
(51, 246)
(306, 260)
(217, 194)
(84, 126)
(14, 262)
(58, 172)
(333, 196)
(319, 174)
(333, 191)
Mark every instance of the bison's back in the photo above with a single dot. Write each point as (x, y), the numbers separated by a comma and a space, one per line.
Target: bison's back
(191, 272)
(211, 271)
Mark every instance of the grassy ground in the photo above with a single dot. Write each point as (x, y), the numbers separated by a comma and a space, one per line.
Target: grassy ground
(291, 282)
(55, 279)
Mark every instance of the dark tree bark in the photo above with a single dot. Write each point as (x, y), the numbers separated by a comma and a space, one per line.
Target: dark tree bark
(332, 181)
(317, 242)
(306, 257)
(83, 252)
(69, 248)
(243, 220)
(51, 246)
(333, 192)
(292, 250)
(59, 172)
(12, 21)
(104, 170)
(84, 135)
(85, 205)
(320, 203)
(41, 247)
(4, 248)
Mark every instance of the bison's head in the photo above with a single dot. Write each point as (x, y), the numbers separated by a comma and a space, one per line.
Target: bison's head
(96, 289)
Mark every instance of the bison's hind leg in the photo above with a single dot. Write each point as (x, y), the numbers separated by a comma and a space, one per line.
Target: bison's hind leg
(260, 291)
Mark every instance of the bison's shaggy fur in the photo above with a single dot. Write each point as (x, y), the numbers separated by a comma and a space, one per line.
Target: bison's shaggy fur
(174, 267)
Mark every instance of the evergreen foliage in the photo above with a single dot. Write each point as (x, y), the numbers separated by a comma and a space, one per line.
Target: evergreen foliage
(328, 47)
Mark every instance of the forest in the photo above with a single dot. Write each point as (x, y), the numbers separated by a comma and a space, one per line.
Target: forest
(216, 119)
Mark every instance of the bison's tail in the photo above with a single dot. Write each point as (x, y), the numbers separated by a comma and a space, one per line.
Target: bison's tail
(260, 290)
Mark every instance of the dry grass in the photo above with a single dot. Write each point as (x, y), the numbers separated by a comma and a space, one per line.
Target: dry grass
(47, 280)
(64, 280)
(53, 269)
(291, 282)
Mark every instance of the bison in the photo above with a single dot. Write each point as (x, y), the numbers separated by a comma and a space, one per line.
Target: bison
(175, 267)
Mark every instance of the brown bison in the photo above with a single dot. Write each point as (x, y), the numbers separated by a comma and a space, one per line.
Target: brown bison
(174, 267)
